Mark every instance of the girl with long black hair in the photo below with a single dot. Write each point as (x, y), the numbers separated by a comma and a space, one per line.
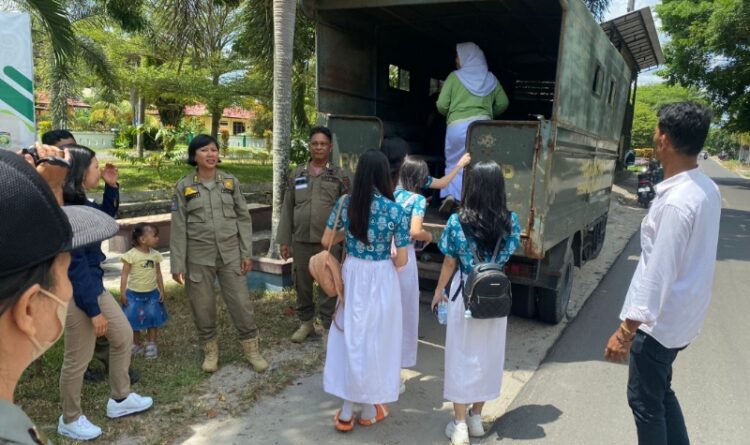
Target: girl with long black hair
(412, 176)
(95, 312)
(474, 349)
(363, 358)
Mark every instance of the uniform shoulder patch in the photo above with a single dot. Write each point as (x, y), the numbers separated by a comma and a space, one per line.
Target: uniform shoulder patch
(228, 185)
(190, 192)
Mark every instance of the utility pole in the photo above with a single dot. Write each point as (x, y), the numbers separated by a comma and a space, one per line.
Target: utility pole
(631, 5)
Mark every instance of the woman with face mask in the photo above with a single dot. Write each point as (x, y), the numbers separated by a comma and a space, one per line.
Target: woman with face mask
(35, 291)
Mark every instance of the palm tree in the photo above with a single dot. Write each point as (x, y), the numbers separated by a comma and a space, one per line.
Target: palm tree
(59, 19)
(598, 7)
(53, 18)
(284, 12)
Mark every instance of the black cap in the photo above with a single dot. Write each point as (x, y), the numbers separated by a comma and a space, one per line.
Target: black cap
(33, 227)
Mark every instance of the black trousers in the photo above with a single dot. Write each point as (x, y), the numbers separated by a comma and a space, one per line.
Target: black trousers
(658, 416)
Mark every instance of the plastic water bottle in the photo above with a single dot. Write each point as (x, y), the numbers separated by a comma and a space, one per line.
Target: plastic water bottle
(442, 313)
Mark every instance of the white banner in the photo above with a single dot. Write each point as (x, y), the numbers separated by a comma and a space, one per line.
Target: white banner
(17, 121)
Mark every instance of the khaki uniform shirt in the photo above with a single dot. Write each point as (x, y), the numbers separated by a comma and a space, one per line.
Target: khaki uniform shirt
(209, 219)
(17, 428)
(308, 202)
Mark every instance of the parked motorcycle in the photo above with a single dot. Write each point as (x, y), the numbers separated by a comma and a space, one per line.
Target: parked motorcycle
(646, 180)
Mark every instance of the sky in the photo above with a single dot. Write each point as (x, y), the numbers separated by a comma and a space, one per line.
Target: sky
(618, 8)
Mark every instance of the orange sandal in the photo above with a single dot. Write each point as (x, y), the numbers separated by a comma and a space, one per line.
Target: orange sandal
(343, 426)
(381, 412)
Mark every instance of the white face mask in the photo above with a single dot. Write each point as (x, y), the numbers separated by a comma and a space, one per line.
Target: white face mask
(40, 347)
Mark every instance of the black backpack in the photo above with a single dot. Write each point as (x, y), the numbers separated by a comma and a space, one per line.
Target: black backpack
(487, 292)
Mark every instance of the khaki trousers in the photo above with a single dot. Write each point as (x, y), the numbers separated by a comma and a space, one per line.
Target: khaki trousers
(79, 349)
(303, 284)
(200, 291)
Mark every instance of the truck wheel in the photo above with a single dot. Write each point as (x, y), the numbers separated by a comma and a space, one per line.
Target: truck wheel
(553, 303)
(596, 240)
(524, 301)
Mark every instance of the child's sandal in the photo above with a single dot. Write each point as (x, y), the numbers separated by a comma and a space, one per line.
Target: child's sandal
(341, 425)
(381, 412)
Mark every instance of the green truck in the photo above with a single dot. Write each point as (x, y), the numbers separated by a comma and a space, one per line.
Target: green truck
(571, 84)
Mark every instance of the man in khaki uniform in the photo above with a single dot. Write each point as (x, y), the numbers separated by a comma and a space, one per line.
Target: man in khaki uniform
(310, 196)
(211, 236)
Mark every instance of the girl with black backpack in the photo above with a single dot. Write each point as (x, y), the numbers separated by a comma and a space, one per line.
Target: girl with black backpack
(474, 348)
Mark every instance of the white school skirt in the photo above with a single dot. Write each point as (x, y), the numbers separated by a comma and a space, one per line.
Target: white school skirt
(474, 353)
(363, 360)
(408, 278)
(455, 147)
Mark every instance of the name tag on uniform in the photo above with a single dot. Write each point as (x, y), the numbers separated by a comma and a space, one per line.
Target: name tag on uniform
(300, 183)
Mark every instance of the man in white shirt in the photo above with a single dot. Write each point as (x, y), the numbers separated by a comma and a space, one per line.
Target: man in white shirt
(671, 289)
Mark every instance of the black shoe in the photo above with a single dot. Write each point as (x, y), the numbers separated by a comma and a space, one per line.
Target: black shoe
(134, 376)
(92, 376)
(448, 206)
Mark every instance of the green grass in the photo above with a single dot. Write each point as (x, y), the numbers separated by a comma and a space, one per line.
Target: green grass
(138, 178)
(175, 379)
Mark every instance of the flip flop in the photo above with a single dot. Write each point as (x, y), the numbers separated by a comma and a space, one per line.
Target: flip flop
(381, 412)
(343, 426)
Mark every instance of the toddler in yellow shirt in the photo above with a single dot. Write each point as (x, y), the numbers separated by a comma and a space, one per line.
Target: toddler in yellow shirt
(142, 288)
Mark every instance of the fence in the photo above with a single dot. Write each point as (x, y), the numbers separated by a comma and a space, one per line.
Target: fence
(241, 141)
(94, 139)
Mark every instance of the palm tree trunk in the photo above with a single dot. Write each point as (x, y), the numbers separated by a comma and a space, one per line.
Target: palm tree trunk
(283, 45)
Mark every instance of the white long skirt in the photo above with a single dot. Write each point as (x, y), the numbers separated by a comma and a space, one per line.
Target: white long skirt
(455, 147)
(474, 354)
(363, 360)
(408, 278)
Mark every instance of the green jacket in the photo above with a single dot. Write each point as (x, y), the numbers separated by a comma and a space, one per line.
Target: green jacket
(308, 202)
(457, 103)
(209, 219)
(17, 428)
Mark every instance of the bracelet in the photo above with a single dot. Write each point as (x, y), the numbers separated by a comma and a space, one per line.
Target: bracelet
(622, 340)
(625, 328)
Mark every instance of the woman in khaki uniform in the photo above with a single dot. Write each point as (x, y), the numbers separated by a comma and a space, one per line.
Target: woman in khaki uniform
(210, 238)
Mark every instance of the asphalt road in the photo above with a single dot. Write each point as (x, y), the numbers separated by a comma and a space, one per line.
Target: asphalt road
(577, 398)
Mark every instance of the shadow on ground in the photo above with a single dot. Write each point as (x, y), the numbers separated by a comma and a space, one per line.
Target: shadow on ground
(525, 422)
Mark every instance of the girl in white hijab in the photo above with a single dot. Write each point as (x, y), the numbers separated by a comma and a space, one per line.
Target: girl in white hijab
(469, 94)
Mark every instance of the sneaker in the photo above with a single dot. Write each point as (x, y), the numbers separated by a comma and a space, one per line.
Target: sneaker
(137, 349)
(152, 351)
(80, 429)
(474, 422)
(131, 405)
(457, 433)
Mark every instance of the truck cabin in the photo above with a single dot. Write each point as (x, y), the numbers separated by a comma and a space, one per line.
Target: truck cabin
(388, 59)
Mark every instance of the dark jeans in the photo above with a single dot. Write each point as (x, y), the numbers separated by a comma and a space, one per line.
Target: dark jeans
(657, 412)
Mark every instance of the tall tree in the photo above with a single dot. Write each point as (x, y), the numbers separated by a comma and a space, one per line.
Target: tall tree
(650, 99)
(598, 7)
(203, 33)
(284, 12)
(53, 17)
(710, 50)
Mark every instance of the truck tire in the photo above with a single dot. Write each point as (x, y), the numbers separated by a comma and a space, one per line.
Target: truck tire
(595, 240)
(552, 304)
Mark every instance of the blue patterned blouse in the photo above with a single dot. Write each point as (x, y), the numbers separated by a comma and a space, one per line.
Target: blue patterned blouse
(387, 221)
(453, 243)
(413, 204)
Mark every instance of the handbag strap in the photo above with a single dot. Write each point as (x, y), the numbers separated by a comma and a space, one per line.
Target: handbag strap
(336, 222)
